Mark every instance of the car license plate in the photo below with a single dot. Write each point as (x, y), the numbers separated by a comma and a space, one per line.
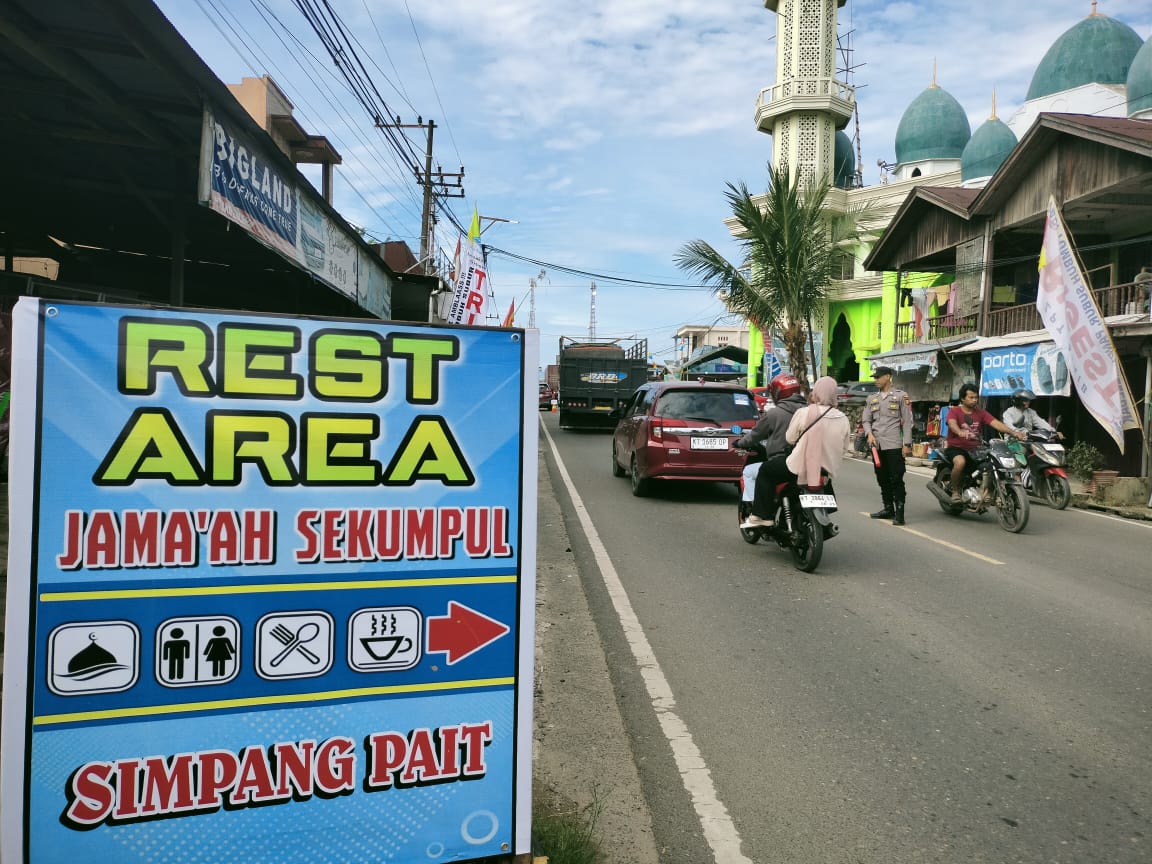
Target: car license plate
(826, 501)
(709, 443)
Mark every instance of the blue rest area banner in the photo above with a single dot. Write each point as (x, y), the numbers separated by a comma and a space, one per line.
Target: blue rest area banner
(1039, 367)
(270, 591)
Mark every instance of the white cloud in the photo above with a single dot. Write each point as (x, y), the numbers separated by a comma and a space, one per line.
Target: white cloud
(608, 128)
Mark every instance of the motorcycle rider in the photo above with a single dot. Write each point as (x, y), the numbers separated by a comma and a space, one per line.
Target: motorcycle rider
(1022, 416)
(966, 424)
(770, 432)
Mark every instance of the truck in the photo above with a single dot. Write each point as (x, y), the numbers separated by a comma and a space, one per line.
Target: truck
(596, 377)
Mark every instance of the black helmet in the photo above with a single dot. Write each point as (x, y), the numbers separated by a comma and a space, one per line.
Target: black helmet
(1019, 397)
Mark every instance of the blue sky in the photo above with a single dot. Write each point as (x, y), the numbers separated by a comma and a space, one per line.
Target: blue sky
(606, 129)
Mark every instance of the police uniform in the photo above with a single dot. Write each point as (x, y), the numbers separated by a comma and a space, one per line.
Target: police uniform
(888, 416)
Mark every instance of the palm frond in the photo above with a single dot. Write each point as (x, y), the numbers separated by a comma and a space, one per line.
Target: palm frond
(790, 244)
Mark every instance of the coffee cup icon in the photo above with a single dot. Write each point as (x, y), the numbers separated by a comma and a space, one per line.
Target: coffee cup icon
(384, 648)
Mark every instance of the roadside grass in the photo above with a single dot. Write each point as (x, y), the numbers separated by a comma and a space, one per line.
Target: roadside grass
(564, 832)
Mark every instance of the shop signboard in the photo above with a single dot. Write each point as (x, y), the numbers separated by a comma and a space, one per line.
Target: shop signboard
(242, 183)
(1039, 367)
(270, 589)
(238, 182)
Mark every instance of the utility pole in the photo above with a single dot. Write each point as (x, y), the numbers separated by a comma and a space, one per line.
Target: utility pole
(436, 184)
(543, 274)
(592, 315)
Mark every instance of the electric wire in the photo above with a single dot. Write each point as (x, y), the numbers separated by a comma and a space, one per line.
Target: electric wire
(267, 62)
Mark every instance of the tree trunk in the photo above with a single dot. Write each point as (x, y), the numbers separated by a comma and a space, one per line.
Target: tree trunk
(794, 343)
(816, 370)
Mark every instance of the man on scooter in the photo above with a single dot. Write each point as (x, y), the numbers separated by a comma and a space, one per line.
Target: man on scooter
(770, 433)
(966, 425)
(1022, 416)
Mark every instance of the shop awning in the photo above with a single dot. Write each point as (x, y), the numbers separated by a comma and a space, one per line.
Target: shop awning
(920, 354)
(988, 343)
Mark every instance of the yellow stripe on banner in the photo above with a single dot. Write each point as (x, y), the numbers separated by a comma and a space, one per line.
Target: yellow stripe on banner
(292, 699)
(138, 593)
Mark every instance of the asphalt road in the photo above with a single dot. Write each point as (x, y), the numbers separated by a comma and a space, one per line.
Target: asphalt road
(944, 692)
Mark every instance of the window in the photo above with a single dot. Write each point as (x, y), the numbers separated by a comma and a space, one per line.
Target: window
(844, 265)
(719, 406)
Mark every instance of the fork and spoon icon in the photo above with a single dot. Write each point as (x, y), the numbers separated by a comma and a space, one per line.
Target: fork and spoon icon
(294, 642)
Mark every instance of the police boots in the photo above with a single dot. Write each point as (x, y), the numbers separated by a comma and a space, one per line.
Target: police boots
(886, 513)
(898, 516)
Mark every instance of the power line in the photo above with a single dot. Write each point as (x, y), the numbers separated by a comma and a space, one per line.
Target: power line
(269, 63)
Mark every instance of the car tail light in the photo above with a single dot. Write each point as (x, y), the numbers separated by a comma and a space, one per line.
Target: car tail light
(656, 429)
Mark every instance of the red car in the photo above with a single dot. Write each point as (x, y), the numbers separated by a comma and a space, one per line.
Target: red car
(547, 394)
(682, 430)
(763, 398)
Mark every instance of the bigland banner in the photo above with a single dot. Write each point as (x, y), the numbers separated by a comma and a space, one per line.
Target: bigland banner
(270, 589)
(240, 183)
(1073, 319)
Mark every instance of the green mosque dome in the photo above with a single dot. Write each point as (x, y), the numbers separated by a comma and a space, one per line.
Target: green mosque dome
(990, 145)
(844, 161)
(1097, 50)
(934, 126)
(1140, 81)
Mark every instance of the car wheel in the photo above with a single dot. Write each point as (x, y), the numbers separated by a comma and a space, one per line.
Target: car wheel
(640, 485)
(617, 470)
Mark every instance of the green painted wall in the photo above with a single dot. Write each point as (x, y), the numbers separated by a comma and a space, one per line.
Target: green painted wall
(755, 354)
(872, 323)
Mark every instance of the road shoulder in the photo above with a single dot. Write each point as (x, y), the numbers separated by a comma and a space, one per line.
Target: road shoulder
(581, 757)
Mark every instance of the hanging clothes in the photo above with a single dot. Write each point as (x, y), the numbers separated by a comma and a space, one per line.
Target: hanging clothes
(921, 304)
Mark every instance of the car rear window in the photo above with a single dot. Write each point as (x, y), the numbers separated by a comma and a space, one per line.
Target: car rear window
(721, 406)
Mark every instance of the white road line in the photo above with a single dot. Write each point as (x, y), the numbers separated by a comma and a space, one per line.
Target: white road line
(944, 543)
(719, 830)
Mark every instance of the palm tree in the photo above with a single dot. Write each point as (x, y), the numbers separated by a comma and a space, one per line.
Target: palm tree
(792, 246)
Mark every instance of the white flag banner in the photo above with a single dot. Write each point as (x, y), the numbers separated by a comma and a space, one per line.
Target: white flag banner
(467, 306)
(1073, 319)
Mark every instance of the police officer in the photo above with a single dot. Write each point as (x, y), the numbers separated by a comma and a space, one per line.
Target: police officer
(887, 421)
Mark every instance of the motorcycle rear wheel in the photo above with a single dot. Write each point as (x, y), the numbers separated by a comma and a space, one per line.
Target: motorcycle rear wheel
(1012, 509)
(1057, 491)
(807, 543)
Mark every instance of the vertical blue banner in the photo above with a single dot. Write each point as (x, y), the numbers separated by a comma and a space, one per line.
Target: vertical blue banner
(270, 589)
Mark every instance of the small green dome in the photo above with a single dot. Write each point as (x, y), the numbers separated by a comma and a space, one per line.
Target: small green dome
(1140, 81)
(990, 145)
(1098, 50)
(934, 126)
(844, 161)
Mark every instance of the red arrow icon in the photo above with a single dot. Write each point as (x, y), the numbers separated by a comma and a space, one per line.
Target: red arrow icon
(462, 632)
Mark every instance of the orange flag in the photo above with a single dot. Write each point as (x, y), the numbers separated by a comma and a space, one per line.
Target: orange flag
(510, 316)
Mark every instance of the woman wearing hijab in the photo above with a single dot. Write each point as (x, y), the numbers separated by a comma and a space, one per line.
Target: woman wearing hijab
(821, 433)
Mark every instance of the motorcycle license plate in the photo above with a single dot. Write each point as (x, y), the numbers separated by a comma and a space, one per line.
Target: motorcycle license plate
(709, 443)
(812, 500)
(1054, 448)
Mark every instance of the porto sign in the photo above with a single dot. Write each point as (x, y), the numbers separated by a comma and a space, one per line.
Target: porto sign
(270, 589)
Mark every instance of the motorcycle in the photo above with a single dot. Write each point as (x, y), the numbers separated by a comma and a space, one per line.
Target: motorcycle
(801, 523)
(991, 481)
(1045, 476)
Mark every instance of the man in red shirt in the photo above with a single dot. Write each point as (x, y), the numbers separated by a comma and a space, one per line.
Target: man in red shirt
(966, 425)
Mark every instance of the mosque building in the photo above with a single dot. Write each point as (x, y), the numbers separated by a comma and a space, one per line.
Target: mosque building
(1099, 66)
